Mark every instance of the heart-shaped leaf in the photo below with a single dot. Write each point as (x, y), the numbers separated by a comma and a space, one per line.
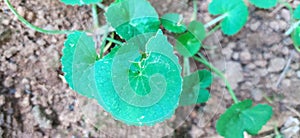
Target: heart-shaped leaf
(189, 43)
(132, 17)
(236, 14)
(296, 14)
(265, 4)
(194, 89)
(242, 117)
(80, 2)
(173, 23)
(79, 56)
(141, 87)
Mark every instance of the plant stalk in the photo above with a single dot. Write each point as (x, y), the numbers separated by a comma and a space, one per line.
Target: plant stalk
(214, 21)
(95, 16)
(100, 5)
(292, 28)
(213, 30)
(31, 26)
(220, 74)
(195, 11)
(114, 41)
(186, 66)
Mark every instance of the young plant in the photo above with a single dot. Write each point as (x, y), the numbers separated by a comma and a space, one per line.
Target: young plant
(294, 30)
(139, 81)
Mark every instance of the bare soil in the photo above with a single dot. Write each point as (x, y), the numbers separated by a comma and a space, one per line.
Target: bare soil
(36, 102)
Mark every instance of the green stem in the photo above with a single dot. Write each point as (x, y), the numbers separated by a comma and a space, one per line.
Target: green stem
(186, 66)
(109, 43)
(220, 74)
(31, 26)
(213, 30)
(100, 5)
(292, 28)
(114, 41)
(194, 16)
(103, 45)
(95, 16)
(214, 21)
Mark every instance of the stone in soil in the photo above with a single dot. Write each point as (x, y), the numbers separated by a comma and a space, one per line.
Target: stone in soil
(234, 73)
(245, 56)
(257, 94)
(2, 100)
(40, 118)
(276, 65)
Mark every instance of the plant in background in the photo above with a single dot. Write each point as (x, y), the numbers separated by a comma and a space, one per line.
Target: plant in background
(294, 30)
(138, 79)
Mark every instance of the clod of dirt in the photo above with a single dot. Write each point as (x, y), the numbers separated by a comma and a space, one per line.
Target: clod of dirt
(276, 65)
(291, 128)
(257, 94)
(41, 119)
(234, 73)
(2, 100)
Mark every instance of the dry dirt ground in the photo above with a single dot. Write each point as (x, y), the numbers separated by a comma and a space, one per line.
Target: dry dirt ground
(36, 102)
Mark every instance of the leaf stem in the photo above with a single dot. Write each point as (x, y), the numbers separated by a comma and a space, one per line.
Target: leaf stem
(95, 16)
(292, 28)
(100, 5)
(214, 21)
(103, 45)
(213, 30)
(195, 11)
(31, 26)
(220, 74)
(114, 41)
(109, 43)
(186, 66)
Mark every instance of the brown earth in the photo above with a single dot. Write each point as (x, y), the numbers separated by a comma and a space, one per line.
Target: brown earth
(36, 102)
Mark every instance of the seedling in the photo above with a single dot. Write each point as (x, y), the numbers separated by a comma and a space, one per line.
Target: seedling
(139, 81)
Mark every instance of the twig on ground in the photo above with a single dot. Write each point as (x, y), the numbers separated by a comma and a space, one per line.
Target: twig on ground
(286, 68)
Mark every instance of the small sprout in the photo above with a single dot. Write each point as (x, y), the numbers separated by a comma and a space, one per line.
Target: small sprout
(194, 89)
(80, 2)
(242, 117)
(236, 14)
(173, 22)
(189, 43)
(265, 4)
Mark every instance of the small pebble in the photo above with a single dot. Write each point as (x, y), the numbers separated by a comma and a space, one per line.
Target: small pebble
(2, 100)
(298, 74)
(285, 14)
(276, 65)
(254, 26)
(245, 56)
(257, 94)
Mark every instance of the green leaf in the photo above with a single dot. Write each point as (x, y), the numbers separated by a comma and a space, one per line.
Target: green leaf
(296, 37)
(173, 23)
(78, 60)
(296, 14)
(141, 88)
(236, 11)
(132, 17)
(189, 43)
(194, 89)
(80, 2)
(265, 4)
(242, 117)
